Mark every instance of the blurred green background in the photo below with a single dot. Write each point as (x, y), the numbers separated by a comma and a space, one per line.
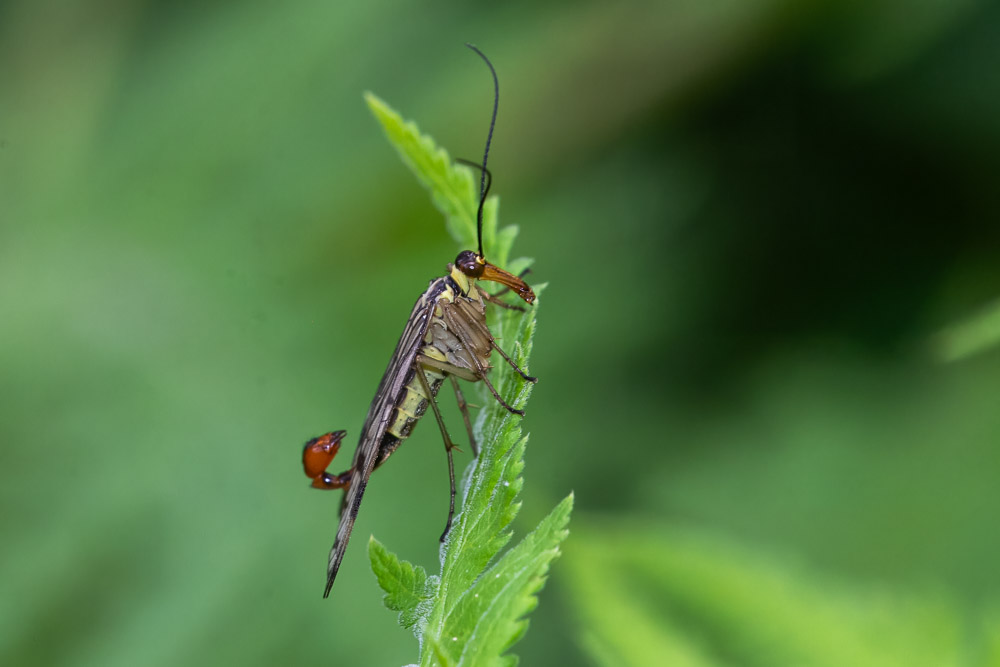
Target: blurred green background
(770, 233)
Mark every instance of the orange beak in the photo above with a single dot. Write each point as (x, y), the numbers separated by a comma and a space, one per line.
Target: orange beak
(498, 275)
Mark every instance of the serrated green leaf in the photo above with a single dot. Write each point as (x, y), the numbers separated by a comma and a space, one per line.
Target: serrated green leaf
(472, 618)
(405, 585)
(454, 187)
(493, 609)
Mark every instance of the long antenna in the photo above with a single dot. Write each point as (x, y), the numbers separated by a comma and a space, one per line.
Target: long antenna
(486, 153)
(479, 167)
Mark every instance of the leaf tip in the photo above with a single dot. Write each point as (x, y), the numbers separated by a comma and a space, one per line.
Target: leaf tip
(385, 114)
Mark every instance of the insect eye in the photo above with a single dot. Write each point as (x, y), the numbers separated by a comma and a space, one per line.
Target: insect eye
(469, 264)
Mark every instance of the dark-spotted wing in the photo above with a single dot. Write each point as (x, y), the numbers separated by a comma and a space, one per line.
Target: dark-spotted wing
(380, 416)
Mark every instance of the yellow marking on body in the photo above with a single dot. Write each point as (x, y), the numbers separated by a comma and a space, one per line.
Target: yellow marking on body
(406, 411)
(433, 352)
(464, 282)
(414, 397)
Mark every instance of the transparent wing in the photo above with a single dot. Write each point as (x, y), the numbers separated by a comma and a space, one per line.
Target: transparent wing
(380, 415)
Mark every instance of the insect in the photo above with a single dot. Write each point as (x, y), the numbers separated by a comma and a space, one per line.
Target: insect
(445, 337)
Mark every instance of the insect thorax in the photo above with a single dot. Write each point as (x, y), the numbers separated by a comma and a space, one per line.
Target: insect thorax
(456, 335)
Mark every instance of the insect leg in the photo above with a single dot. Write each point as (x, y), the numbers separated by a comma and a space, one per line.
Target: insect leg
(466, 374)
(455, 325)
(489, 385)
(492, 298)
(513, 365)
(463, 406)
(450, 369)
(448, 446)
